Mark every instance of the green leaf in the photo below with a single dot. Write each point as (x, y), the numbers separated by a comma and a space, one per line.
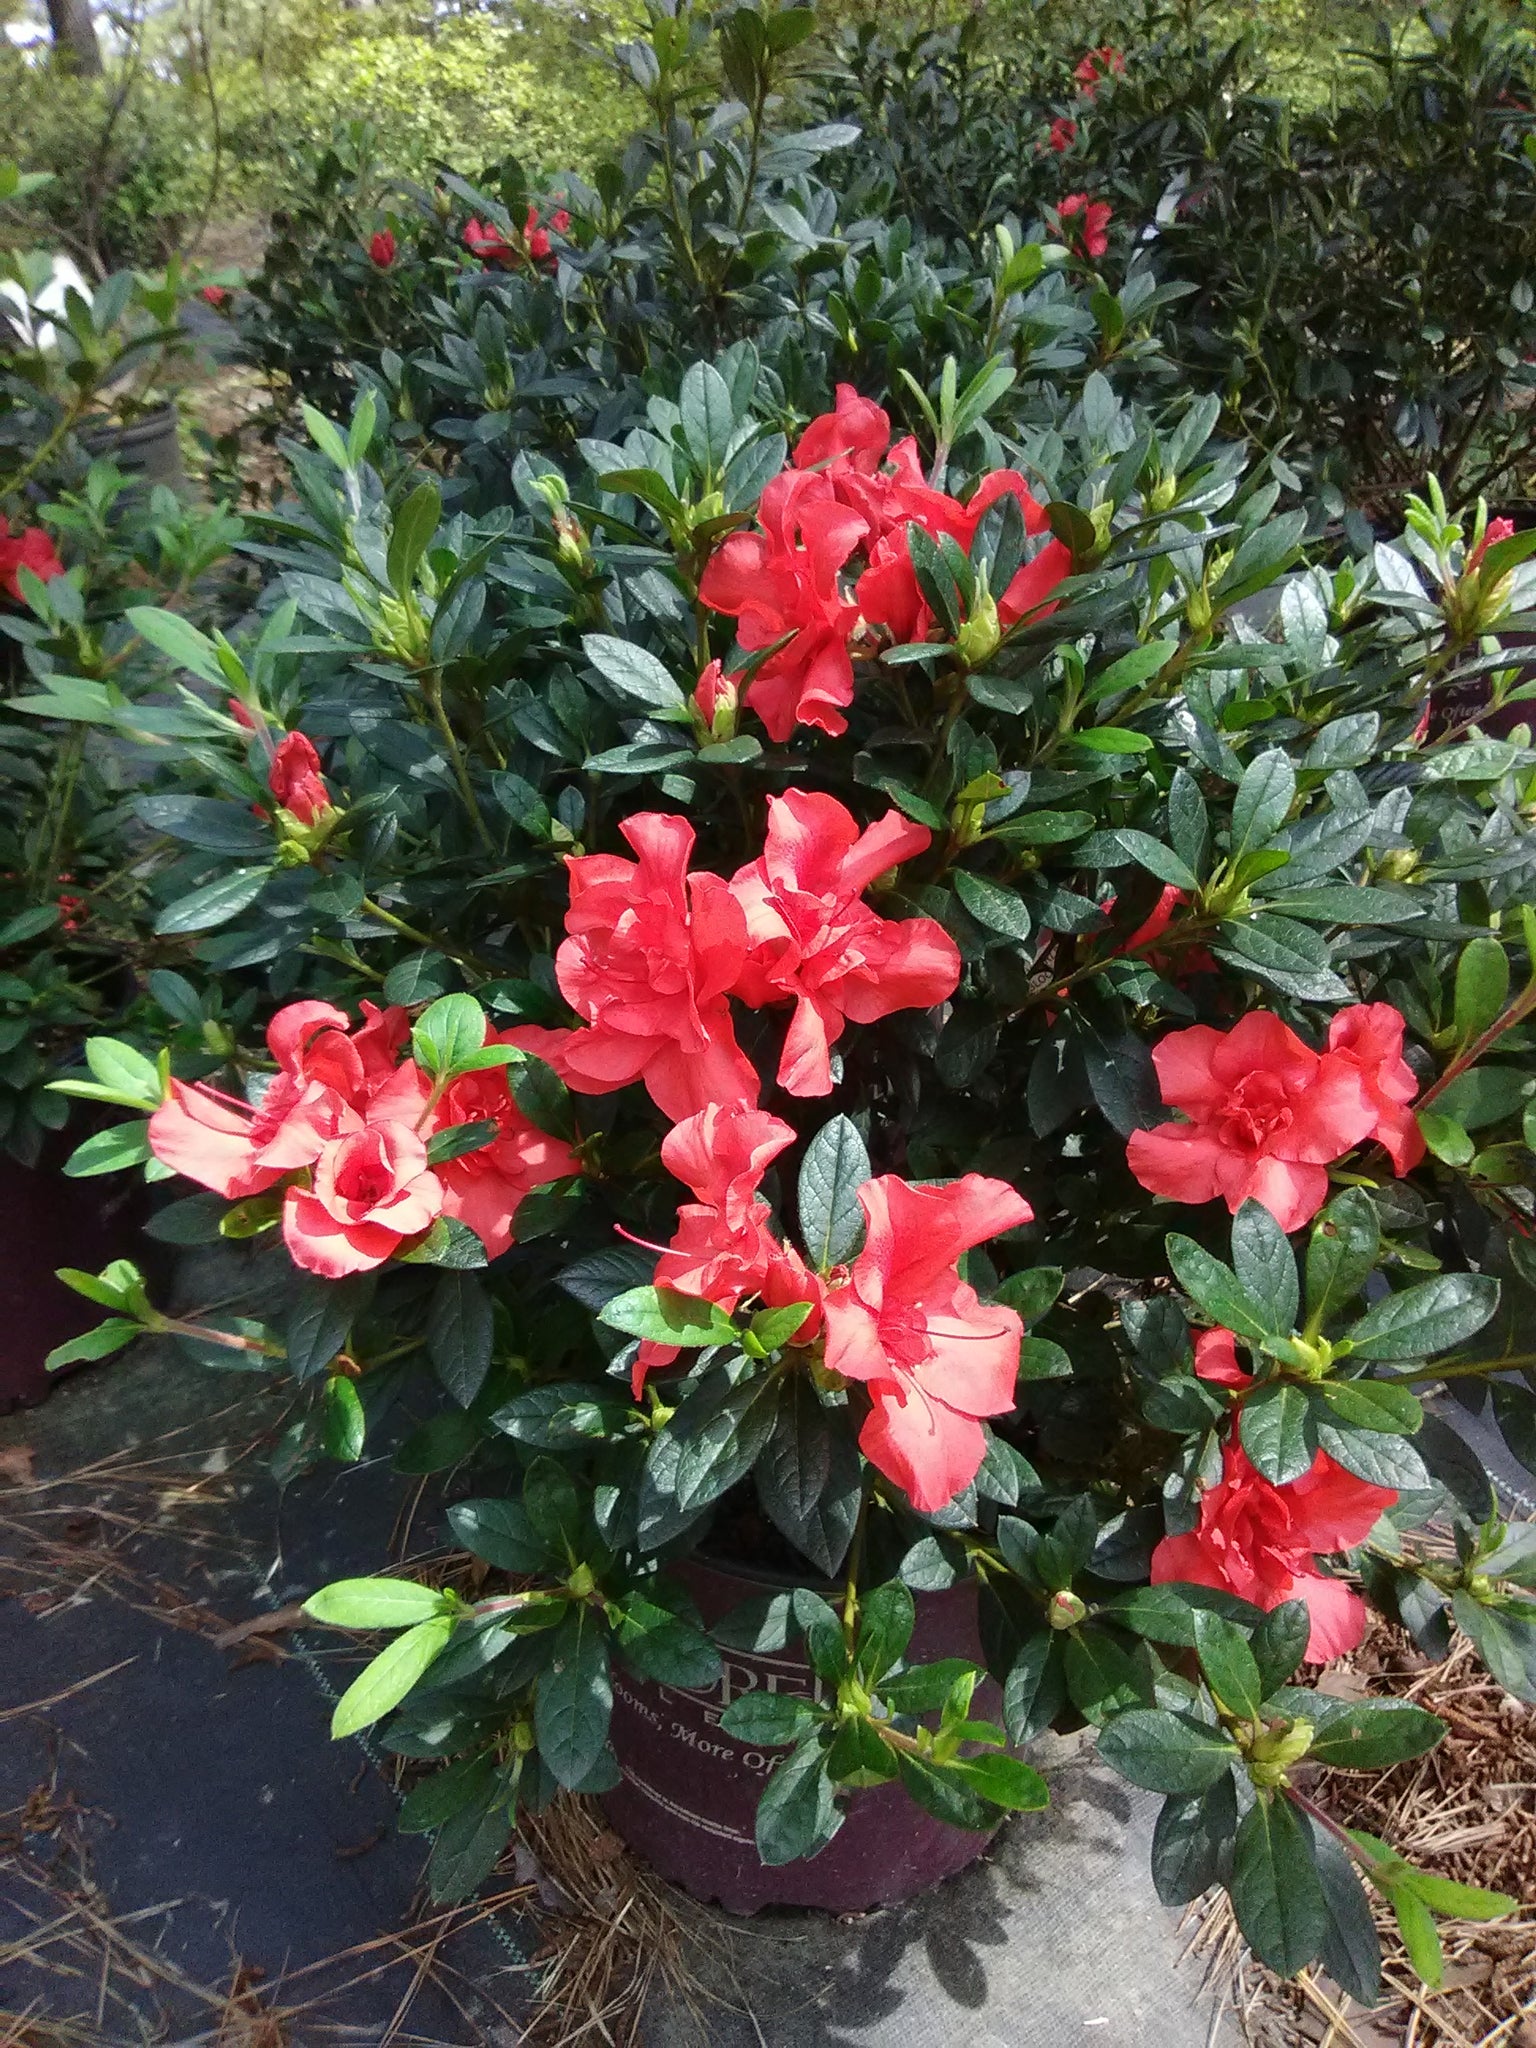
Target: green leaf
(1482, 986)
(809, 1478)
(1032, 1292)
(1416, 1925)
(1425, 1319)
(1042, 828)
(543, 1097)
(326, 437)
(346, 1426)
(1372, 1455)
(1103, 1678)
(1215, 1288)
(1263, 801)
(415, 524)
(574, 1701)
(1112, 739)
(436, 1799)
(765, 1718)
(1375, 1734)
(448, 1243)
(665, 1646)
(835, 1167)
(447, 1034)
(1230, 1668)
(637, 675)
(1277, 1894)
(459, 1330)
(1460, 1901)
(774, 1327)
(940, 1790)
(708, 418)
(385, 1682)
(214, 904)
(887, 1617)
(1351, 1950)
(1132, 668)
(663, 1317)
(1189, 1841)
(1373, 1404)
(133, 1080)
(185, 645)
(553, 1508)
(1341, 1254)
(924, 1688)
(797, 1814)
(1121, 846)
(110, 1151)
(374, 1603)
(459, 1139)
(100, 1342)
(1164, 1751)
(1003, 1780)
(993, 906)
(500, 1532)
(1265, 1265)
(1279, 1432)
(320, 1320)
(1446, 1138)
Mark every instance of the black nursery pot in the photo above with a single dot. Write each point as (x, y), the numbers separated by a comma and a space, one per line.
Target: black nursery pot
(148, 450)
(689, 1793)
(47, 1221)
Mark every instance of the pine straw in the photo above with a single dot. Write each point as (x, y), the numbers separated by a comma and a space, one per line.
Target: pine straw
(1467, 1811)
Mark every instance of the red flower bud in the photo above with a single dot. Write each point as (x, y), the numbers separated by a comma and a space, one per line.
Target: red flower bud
(381, 249)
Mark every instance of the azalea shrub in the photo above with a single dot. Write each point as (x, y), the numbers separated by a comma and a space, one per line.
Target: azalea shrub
(906, 1009)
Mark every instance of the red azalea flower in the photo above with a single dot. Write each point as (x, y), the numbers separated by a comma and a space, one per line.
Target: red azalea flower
(715, 698)
(788, 579)
(560, 221)
(1266, 1116)
(934, 1357)
(1096, 65)
(296, 781)
(536, 237)
(1156, 923)
(1216, 1360)
(490, 245)
(856, 430)
(1495, 531)
(1371, 1036)
(214, 294)
(816, 943)
(29, 549)
(1093, 239)
(371, 1191)
(723, 1249)
(1063, 134)
(1258, 1541)
(381, 249)
(323, 1071)
(650, 954)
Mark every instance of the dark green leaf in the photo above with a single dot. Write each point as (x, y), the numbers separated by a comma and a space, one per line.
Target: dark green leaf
(1425, 1319)
(797, 1814)
(459, 1331)
(1166, 1752)
(574, 1700)
(1277, 1894)
(1265, 1265)
(1229, 1666)
(835, 1167)
(1279, 1432)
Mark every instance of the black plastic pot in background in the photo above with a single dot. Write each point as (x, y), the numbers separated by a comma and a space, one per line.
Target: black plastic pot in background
(47, 1221)
(689, 1793)
(149, 450)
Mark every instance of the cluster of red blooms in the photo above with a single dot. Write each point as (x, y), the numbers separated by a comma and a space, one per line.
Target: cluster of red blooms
(71, 908)
(1259, 1540)
(1085, 223)
(29, 549)
(830, 564)
(1063, 134)
(344, 1125)
(491, 245)
(1096, 65)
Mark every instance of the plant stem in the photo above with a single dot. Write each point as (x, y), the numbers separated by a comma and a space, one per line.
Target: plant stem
(1518, 1011)
(409, 931)
(431, 689)
(1469, 1368)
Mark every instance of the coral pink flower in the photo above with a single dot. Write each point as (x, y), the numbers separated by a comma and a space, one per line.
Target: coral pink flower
(536, 237)
(1258, 1541)
(723, 1250)
(1371, 1036)
(1063, 134)
(323, 1071)
(857, 431)
(788, 579)
(1266, 1116)
(29, 549)
(214, 294)
(1092, 239)
(650, 955)
(560, 221)
(933, 1356)
(371, 1191)
(816, 943)
(1216, 1360)
(296, 781)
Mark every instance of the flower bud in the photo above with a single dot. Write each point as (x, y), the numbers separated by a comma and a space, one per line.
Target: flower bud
(1065, 1610)
(581, 1584)
(1275, 1751)
(978, 639)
